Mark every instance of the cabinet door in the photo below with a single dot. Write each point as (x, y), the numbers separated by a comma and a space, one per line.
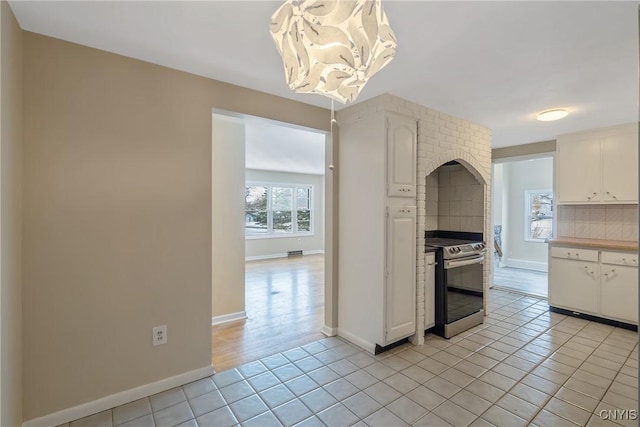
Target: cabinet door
(578, 169)
(619, 293)
(402, 145)
(430, 291)
(574, 285)
(400, 304)
(620, 168)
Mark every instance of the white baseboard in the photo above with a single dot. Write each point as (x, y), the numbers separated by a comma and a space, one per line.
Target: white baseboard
(317, 252)
(526, 264)
(371, 348)
(261, 257)
(281, 255)
(330, 332)
(226, 318)
(117, 399)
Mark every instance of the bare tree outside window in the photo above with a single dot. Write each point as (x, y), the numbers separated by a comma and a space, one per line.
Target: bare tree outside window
(255, 214)
(539, 215)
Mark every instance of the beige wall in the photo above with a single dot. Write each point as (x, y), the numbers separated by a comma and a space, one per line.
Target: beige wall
(535, 149)
(330, 233)
(117, 218)
(10, 219)
(228, 216)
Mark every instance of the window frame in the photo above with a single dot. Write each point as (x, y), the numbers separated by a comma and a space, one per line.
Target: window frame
(528, 216)
(270, 234)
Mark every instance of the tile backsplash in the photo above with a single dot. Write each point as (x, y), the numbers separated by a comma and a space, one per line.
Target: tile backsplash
(613, 222)
(455, 200)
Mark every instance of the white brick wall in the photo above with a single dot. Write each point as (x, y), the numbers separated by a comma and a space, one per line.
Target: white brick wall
(441, 138)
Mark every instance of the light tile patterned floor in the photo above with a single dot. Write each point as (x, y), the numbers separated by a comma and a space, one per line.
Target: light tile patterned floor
(523, 366)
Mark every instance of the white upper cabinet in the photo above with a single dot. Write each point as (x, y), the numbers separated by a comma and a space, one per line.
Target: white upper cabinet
(402, 145)
(577, 169)
(620, 167)
(599, 166)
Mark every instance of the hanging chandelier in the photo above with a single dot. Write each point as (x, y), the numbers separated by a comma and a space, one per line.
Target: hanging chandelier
(332, 47)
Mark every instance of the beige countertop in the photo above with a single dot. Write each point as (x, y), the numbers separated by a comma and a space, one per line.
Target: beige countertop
(594, 243)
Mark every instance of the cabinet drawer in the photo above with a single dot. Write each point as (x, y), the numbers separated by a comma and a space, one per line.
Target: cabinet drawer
(620, 258)
(574, 253)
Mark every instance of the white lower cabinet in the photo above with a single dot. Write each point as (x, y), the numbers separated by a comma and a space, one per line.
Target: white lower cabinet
(573, 285)
(619, 286)
(600, 283)
(401, 273)
(430, 291)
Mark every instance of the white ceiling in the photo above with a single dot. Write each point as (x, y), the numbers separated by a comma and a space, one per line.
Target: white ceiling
(277, 147)
(493, 63)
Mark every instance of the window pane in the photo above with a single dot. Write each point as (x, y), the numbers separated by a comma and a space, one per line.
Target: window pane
(304, 223)
(541, 204)
(282, 199)
(540, 228)
(540, 208)
(303, 197)
(255, 215)
(282, 221)
(255, 198)
(255, 222)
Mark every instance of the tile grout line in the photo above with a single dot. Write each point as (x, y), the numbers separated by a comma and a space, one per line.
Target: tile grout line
(519, 309)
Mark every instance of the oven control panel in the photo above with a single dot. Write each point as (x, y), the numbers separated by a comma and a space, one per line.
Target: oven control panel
(465, 250)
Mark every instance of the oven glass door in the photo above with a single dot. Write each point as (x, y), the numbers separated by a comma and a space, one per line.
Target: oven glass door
(464, 287)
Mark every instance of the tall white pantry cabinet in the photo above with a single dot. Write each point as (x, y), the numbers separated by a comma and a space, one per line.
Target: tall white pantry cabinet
(377, 229)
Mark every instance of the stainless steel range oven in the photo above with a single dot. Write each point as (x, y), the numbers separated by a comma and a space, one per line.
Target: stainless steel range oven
(459, 284)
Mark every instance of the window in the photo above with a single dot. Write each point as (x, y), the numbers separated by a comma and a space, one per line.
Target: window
(277, 210)
(255, 206)
(539, 215)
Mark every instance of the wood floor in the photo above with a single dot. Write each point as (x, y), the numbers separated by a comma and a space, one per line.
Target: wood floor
(521, 280)
(285, 309)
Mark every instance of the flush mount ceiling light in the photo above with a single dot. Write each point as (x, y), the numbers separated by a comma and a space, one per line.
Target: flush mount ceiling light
(551, 115)
(332, 47)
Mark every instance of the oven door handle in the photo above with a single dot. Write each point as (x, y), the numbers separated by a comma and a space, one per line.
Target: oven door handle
(453, 263)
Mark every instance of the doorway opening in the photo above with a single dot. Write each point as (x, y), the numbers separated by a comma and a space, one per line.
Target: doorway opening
(523, 217)
(273, 198)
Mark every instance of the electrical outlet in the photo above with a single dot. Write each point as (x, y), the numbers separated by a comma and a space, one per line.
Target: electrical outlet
(159, 335)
